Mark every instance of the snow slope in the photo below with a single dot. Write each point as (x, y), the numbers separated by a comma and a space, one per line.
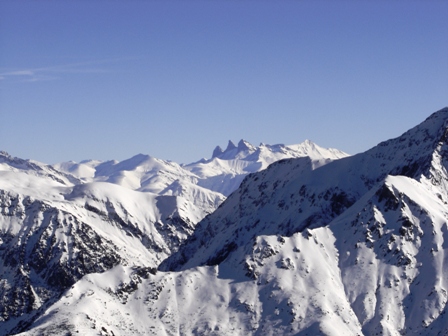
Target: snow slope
(53, 235)
(55, 228)
(291, 294)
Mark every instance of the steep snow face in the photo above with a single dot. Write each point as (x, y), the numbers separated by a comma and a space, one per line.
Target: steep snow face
(393, 247)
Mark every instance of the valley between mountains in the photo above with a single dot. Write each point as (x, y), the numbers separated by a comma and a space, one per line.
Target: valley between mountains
(256, 240)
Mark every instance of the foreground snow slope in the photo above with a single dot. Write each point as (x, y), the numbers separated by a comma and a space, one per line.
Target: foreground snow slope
(299, 289)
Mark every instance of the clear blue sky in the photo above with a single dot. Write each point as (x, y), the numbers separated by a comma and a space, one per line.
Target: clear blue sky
(173, 79)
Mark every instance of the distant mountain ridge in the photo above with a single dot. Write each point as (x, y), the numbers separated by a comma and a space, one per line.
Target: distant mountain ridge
(226, 169)
(222, 173)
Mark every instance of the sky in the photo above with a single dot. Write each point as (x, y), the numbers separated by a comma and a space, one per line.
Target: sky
(173, 79)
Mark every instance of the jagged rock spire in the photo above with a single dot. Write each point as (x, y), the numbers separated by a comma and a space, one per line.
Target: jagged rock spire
(217, 152)
(230, 146)
(244, 145)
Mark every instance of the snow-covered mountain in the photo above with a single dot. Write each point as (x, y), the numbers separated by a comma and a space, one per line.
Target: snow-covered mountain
(59, 223)
(354, 247)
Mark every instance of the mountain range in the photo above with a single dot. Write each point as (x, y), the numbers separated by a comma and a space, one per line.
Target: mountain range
(290, 240)
(62, 222)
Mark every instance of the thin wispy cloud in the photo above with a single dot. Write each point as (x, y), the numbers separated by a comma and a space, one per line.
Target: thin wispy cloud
(57, 71)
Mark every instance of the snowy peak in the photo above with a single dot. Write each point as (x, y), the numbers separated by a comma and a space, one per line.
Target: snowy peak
(230, 146)
(245, 146)
(419, 152)
(232, 151)
(217, 152)
(271, 153)
(379, 217)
